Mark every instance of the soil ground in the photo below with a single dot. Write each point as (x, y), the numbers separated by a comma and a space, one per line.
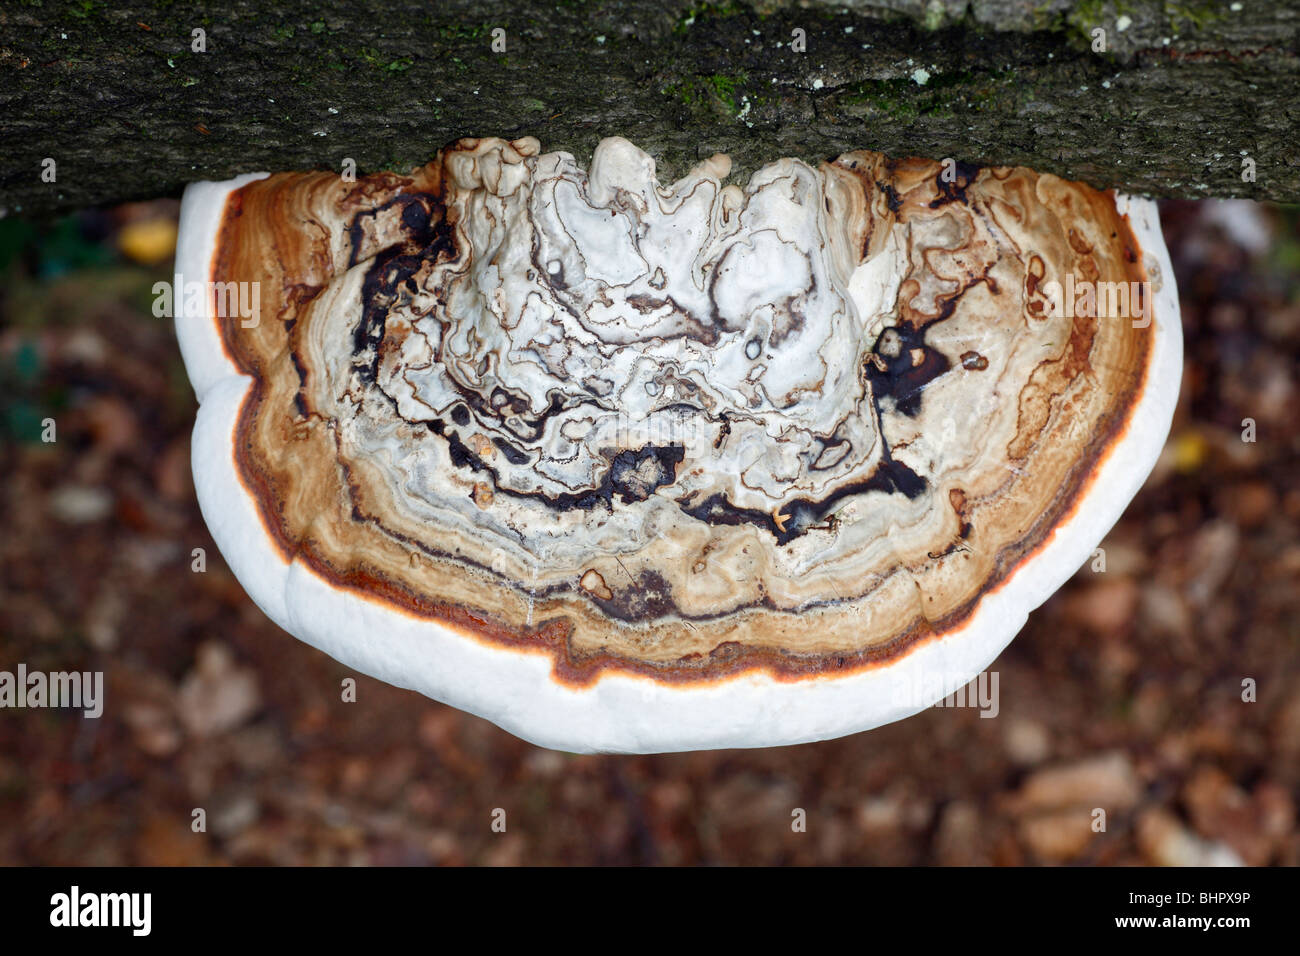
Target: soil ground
(1125, 691)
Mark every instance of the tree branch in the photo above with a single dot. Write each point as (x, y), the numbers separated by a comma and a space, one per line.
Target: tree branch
(126, 109)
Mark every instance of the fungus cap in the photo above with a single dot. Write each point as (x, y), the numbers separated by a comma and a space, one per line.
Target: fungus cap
(626, 467)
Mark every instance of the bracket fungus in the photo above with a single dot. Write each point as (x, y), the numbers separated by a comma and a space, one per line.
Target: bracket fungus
(627, 467)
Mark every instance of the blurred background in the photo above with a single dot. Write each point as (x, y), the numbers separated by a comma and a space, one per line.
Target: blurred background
(1124, 690)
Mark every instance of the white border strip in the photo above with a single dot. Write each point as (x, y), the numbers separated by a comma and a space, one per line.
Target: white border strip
(202, 208)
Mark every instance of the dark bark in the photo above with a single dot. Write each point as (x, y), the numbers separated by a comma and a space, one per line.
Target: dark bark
(117, 98)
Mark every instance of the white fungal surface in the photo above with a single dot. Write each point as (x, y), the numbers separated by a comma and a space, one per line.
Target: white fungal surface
(593, 316)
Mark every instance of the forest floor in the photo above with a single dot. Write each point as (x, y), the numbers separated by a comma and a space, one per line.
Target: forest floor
(1125, 691)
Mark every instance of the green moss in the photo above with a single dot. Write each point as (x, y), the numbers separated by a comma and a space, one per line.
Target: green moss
(460, 31)
(682, 92)
(724, 88)
(902, 98)
(372, 57)
(82, 9)
(1088, 15)
(706, 11)
(718, 90)
(1197, 16)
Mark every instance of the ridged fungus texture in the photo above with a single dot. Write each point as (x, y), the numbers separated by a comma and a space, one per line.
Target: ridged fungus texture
(682, 431)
